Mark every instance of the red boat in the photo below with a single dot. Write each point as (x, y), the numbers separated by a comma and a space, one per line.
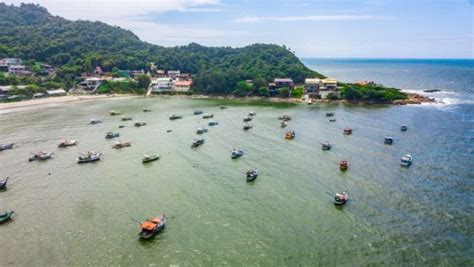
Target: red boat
(343, 165)
(348, 130)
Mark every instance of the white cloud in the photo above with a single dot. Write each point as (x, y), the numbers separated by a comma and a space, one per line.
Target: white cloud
(308, 18)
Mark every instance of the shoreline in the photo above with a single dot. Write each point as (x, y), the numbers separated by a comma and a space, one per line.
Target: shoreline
(413, 99)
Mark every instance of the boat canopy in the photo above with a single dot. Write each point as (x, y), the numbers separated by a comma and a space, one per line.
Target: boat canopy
(148, 225)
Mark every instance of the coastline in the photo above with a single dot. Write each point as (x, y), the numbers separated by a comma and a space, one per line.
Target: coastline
(413, 99)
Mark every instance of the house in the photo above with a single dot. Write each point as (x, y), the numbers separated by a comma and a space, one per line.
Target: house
(136, 73)
(184, 77)
(161, 84)
(327, 86)
(364, 83)
(98, 71)
(182, 86)
(56, 92)
(174, 74)
(311, 87)
(18, 70)
(284, 82)
(10, 61)
(91, 83)
(160, 73)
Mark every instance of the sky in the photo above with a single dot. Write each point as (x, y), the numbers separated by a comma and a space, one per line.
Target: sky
(311, 28)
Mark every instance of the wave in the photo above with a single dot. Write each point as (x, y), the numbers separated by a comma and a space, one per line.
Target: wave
(445, 97)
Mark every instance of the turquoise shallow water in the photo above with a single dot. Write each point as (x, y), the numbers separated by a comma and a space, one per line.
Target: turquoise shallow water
(83, 214)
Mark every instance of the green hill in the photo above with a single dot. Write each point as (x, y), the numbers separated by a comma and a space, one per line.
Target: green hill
(30, 32)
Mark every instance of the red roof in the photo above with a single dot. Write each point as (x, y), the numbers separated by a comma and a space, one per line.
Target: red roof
(183, 83)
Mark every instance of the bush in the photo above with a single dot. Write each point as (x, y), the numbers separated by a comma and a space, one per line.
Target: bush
(332, 96)
(297, 92)
(284, 92)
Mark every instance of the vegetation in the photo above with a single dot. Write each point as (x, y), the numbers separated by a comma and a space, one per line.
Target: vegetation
(30, 32)
(371, 93)
(121, 87)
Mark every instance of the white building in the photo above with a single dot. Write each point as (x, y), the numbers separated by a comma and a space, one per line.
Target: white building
(311, 87)
(161, 84)
(91, 83)
(327, 86)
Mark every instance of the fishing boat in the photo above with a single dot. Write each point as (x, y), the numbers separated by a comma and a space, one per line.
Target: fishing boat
(330, 114)
(388, 140)
(213, 123)
(121, 144)
(283, 124)
(285, 118)
(90, 157)
(247, 119)
(3, 183)
(66, 143)
(403, 127)
(95, 121)
(237, 153)
(252, 175)
(40, 155)
(110, 135)
(175, 117)
(121, 126)
(406, 160)
(247, 127)
(343, 165)
(197, 142)
(198, 112)
(6, 146)
(326, 145)
(290, 135)
(332, 120)
(114, 113)
(149, 158)
(146, 110)
(6, 216)
(126, 118)
(347, 131)
(139, 123)
(207, 116)
(341, 198)
(252, 113)
(151, 227)
(201, 130)
(169, 131)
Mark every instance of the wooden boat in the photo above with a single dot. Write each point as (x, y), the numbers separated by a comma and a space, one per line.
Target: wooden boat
(139, 123)
(3, 183)
(252, 113)
(126, 118)
(110, 135)
(175, 117)
(343, 165)
(237, 153)
(285, 118)
(149, 158)
(6, 146)
(90, 157)
(197, 142)
(388, 140)
(66, 143)
(326, 145)
(146, 110)
(252, 175)
(201, 130)
(114, 113)
(330, 114)
(95, 121)
(406, 160)
(121, 144)
(247, 127)
(41, 155)
(207, 116)
(198, 112)
(332, 120)
(403, 127)
(6, 216)
(290, 135)
(347, 131)
(247, 119)
(341, 198)
(151, 227)
(213, 123)
(283, 124)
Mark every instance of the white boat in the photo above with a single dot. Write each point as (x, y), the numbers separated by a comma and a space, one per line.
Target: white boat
(406, 160)
(237, 153)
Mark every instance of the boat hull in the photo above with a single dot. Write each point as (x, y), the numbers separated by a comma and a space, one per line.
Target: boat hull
(6, 216)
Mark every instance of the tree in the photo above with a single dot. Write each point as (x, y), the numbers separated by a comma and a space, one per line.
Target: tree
(284, 92)
(143, 81)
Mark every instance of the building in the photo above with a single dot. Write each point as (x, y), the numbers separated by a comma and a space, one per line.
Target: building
(327, 86)
(18, 70)
(311, 87)
(56, 92)
(174, 74)
(98, 71)
(136, 73)
(284, 82)
(182, 86)
(11, 61)
(161, 84)
(91, 83)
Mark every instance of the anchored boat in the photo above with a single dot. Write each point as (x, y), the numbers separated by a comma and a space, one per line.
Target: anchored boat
(110, 135)
(332, 120)
(146, 110)
(247, 119)
(139, 123)
(114, 113)
(201, 130)
(247, 127)
(198, 112)
(252, 113)
(326, 145)
(6, 216)
(406, 160)
(213, 123)
(175, 117)
(290, 135)
(343, 165)
(95, 121)
(121, 144)
(403, 127)
(3, 183)
(388, 140)
(207, 116)
(347, 131)
(151, 227)
(90, 157)
(6, 146)
(237, 153)
(330, 114)
(41, 155)
(66, 143)
(341, 198)
(149, 158)
(283, 124)
(252, 175)
(285, 118)
(126, 118)
(197, 142)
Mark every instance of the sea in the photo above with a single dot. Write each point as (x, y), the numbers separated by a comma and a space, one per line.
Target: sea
(70, 214)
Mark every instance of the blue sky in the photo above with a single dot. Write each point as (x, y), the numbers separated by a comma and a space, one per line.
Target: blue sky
(312, 28)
